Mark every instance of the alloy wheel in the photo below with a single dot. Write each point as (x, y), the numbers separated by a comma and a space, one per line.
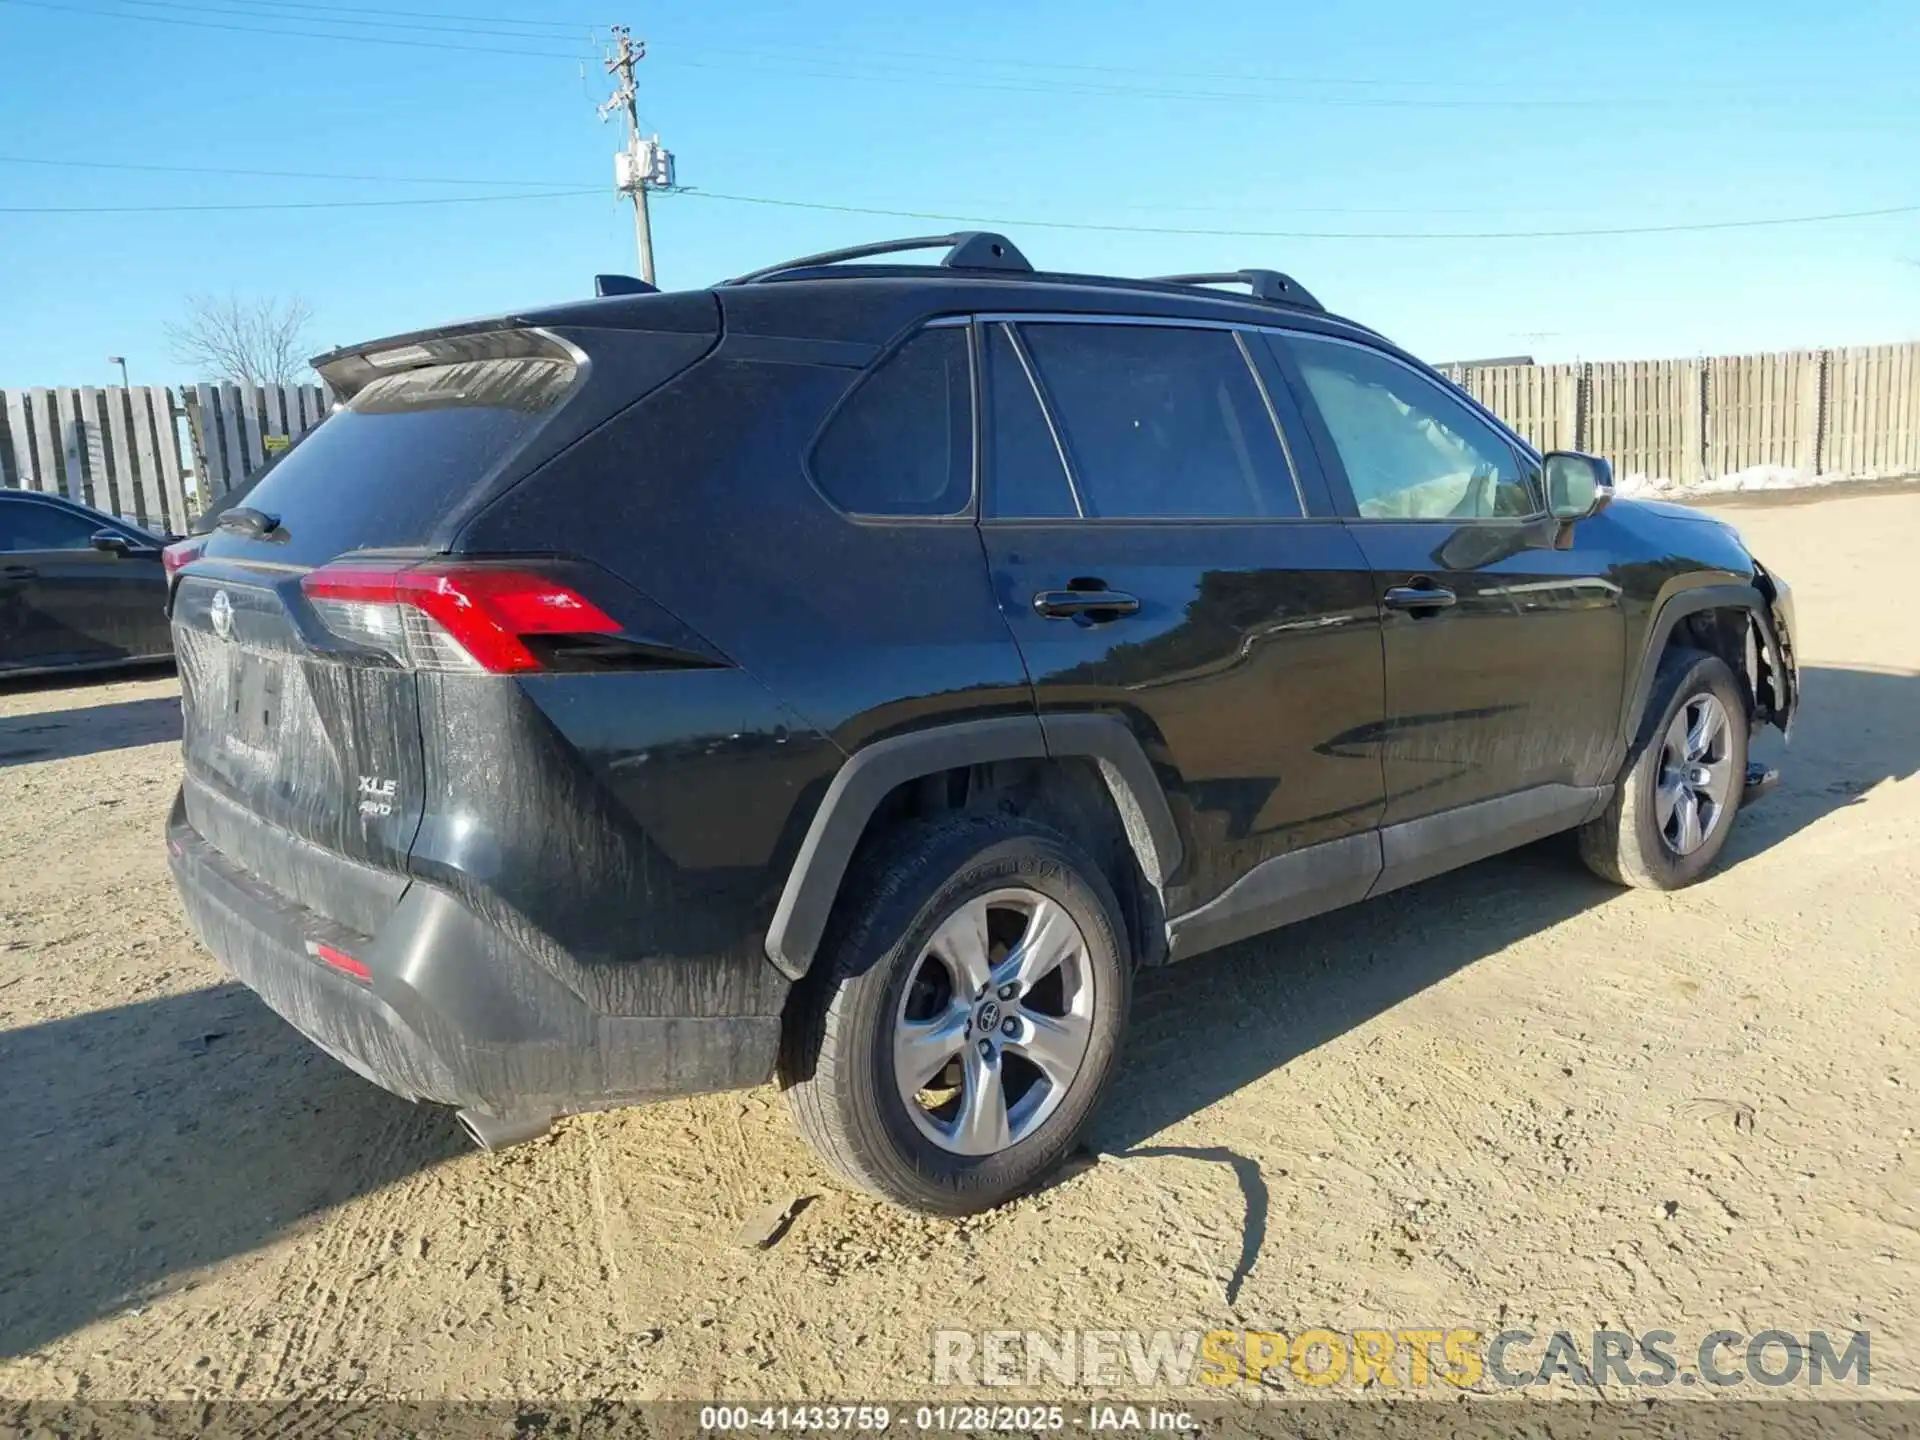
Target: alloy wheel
(994, 1023)
(1696, 775)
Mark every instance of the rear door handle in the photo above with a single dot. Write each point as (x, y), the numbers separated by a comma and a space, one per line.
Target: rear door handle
(1419, 597)
(1065, 604)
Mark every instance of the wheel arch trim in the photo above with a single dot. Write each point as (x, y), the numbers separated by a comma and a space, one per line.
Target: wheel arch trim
(1671, 612)
(871, 773)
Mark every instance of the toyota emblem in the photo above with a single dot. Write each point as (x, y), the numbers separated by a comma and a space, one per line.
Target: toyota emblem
(221, 613)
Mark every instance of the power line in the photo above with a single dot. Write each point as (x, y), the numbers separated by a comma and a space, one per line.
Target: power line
(918, 77)
(1039, 86)
(247, 12)
(951, 217)
(1157, 206)
(1595, 231)
(1243, 77)
(293, 34)
(285, 204)
(562, 26)
(325, 13)
(270, 174)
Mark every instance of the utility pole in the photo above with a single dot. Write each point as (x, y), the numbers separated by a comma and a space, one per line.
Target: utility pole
(644, 162)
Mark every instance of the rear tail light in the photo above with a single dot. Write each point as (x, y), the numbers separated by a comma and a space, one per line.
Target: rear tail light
(177, 556)
(437, 615)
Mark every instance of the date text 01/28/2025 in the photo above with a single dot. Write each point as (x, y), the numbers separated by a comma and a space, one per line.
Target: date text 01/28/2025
(952, 1419)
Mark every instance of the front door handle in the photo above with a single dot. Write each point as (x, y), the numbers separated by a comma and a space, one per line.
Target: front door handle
(17, 572)
(1419, 597)
(1094, 604)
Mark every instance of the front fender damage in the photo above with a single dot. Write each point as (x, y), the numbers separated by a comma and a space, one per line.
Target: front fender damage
(1777, 687)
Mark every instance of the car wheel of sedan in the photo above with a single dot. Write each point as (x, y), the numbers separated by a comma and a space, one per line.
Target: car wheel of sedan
(1678, 796)
(962, 1019)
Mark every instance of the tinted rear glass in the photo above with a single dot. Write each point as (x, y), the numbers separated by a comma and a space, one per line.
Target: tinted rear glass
(405, 451)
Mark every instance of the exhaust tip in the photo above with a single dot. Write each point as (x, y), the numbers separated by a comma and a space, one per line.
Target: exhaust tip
(497, 1132)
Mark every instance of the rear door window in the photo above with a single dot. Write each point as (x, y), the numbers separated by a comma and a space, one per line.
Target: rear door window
(404, 452)
(1162, 422)
(902, 443)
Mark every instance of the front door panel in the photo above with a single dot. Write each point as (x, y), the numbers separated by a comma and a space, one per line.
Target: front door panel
(1516, 684)
(1504, 650)
(1142, 473)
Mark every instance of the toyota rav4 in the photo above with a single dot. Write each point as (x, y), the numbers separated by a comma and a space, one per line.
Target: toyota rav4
(855, 672)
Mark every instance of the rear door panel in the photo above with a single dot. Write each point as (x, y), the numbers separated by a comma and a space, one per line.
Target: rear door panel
(1251, 671)
(1250, 675)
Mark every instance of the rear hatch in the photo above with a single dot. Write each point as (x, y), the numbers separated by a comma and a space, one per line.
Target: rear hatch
(303, 621)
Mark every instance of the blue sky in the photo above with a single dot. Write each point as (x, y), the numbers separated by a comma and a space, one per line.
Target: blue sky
(1397, 116)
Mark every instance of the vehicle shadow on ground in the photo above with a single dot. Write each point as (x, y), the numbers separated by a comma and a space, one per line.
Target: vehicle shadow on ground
(1205, 1029)
(89, 730)
(149, 1141)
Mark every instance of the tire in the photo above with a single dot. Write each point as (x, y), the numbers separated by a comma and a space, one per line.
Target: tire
(1634, 841)
(885, 973)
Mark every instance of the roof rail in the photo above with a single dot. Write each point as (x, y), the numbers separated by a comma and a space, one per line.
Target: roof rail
(966, 250)
(1265, 285)
(604, 285)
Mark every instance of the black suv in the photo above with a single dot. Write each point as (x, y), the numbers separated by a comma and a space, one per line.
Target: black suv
(855, 671)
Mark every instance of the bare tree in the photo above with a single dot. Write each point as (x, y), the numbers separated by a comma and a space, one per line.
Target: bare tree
(250, 342)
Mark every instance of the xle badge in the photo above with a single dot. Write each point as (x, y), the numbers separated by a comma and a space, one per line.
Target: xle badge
(376, 796)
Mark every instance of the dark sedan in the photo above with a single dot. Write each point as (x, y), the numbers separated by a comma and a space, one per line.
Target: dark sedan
(78, 589)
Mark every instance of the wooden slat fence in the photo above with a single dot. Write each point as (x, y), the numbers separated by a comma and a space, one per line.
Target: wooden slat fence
(1542, 402)
(149, 454)
(1763, 410)
(1852, 414)
(1872, 411)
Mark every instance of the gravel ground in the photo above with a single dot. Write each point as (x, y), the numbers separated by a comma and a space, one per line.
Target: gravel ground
(1508, 1097)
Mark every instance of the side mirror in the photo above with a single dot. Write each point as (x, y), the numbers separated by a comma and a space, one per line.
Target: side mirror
(1578, 486)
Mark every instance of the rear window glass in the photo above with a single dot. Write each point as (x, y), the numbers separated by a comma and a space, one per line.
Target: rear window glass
(404, 452)
(903, 442)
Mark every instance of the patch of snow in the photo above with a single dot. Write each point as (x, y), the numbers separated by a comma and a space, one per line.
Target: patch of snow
(1755, 477)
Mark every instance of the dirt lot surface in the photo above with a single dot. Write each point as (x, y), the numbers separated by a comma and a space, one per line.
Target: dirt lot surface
(1508, 1097)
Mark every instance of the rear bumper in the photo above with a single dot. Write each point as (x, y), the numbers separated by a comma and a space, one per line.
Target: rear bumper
(452, 1009)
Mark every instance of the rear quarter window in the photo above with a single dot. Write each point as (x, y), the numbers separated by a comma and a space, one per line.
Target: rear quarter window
(902, 443)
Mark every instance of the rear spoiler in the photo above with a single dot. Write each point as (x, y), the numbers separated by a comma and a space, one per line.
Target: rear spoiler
(527, 334)
(350, 369)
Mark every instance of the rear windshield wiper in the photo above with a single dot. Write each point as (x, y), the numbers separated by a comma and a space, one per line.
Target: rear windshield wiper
(245, 520)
